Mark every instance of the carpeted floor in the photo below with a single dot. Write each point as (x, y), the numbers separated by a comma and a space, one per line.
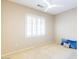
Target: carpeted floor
(47, 52)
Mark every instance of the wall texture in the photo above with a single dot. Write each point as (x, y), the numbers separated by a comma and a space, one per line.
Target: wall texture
(13, 27)
(66, 25)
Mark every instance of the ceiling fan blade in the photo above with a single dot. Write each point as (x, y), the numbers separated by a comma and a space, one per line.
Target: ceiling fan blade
(50, 6)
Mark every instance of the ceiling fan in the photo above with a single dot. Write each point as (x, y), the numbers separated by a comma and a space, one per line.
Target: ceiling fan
(50, 5)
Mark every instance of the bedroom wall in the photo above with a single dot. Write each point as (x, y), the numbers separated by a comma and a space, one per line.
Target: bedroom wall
(66, 25)
(13, 17)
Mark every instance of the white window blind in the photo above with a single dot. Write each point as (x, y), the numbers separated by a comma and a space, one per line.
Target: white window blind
(34, 26)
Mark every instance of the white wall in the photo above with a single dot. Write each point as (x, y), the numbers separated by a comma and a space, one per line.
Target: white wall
(66, 25)
(13, 27)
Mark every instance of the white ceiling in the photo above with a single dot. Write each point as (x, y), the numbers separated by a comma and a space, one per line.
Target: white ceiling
(61, 5)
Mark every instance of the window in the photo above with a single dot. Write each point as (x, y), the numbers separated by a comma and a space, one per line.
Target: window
(34, 26)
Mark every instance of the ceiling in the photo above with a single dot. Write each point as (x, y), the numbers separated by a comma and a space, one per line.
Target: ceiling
(49, 6)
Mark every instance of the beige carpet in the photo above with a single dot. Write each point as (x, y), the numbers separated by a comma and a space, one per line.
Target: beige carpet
(47, 52)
